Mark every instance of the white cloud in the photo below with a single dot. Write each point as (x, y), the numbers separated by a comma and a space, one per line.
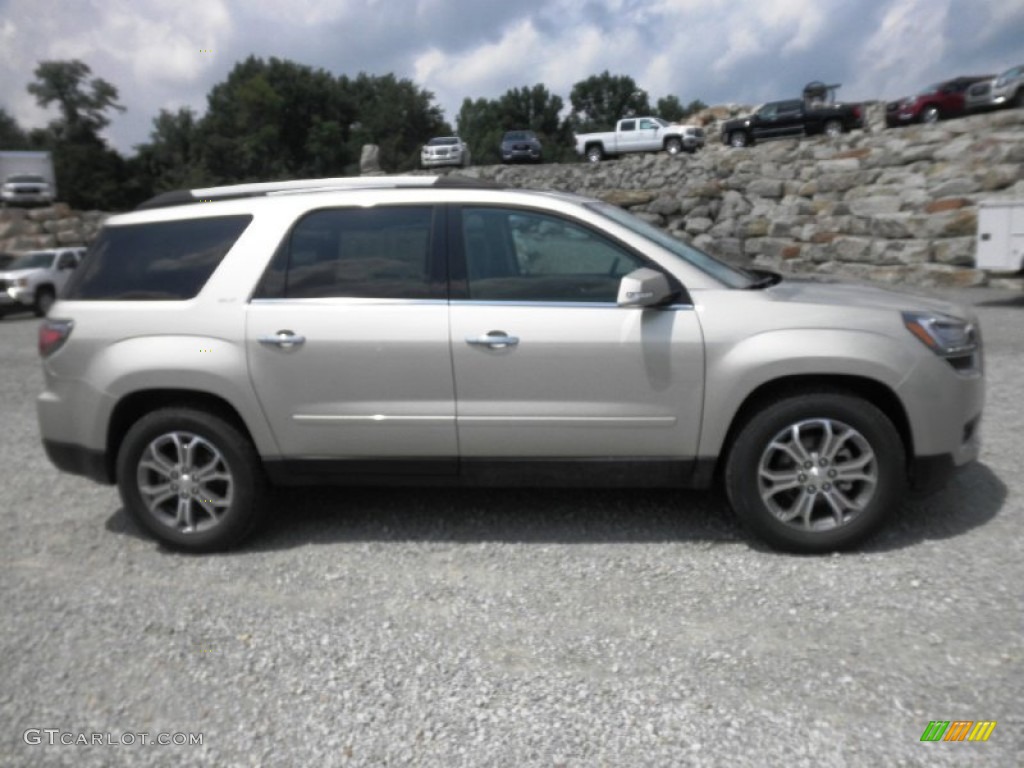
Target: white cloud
(906, 49)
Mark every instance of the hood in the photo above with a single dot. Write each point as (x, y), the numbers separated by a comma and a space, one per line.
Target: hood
(17, 273)
(859, 296)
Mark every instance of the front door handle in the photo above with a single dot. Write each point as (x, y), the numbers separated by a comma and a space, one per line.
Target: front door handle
(493, 340)
(284, 339)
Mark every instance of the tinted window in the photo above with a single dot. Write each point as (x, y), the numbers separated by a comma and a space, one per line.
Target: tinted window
(520, 255)
(627, 125)
(355, 252)
(164, 260)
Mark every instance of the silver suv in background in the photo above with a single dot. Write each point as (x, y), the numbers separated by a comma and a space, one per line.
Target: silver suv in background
(449, 332)
(445, 150)
(33, 280)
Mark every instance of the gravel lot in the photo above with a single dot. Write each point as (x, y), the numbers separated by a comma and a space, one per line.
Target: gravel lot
(436, 628)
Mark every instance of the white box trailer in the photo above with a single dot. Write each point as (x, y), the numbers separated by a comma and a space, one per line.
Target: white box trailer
(1000, 244)
(27, 177)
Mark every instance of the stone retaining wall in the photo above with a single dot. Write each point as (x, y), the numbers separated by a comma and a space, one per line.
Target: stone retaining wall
(26, 229)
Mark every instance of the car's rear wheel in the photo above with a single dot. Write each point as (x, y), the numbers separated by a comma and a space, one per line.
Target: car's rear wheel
(1018, 98)
(816, 473)
(595, 154)
(44, 299)
(931, 114)
(673, 146)
(738, 139)
(191, 479)
(833, 128)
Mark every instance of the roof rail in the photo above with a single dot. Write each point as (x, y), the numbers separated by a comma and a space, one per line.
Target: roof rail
(258, 189)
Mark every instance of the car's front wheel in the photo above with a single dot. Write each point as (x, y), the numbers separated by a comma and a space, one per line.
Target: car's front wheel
(44, 299)
(816, 473)
(673, 146)
(930, 115)
(833, 129)
(738, 139)
(191, 479)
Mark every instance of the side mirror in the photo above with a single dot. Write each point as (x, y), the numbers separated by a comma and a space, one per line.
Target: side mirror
(645, 288)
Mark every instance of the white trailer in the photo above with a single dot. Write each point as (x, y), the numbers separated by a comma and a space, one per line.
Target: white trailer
(27, 177)
(1000, 244)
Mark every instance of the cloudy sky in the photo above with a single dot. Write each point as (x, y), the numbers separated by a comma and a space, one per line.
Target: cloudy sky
(168, 53)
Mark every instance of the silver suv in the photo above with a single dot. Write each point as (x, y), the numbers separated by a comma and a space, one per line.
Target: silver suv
(444, 331)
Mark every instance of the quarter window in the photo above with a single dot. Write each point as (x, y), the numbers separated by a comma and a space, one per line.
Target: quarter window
(516, 255)
(165, 260)
(355, 252)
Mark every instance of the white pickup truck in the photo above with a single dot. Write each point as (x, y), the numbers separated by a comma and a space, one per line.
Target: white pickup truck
(33, 280)
(640, 134)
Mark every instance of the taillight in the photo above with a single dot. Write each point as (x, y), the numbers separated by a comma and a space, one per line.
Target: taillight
(53, 334)
(856, 111)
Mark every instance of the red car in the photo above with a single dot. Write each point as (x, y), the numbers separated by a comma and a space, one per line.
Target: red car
(934, 103)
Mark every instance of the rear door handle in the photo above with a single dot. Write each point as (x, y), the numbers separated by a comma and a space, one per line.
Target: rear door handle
(493, 340)
(283, 339)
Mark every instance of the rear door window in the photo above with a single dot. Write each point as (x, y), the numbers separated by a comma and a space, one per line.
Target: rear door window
(382, 253)
(159, 261)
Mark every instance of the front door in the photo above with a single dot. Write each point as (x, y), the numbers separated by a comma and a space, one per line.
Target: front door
(546, 364)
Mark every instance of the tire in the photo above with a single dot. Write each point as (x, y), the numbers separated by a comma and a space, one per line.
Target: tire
(738, 139)
(824, 514)
(833, 129)
(595, 154)
(1018, 98)
(159, 450)
(673, 146)
(930, 115)
(43, 301)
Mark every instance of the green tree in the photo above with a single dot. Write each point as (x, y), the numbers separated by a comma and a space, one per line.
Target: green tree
(11, 134)
(480, 125)
(172, 159)
(273, 120)
(670, 108)
(396, 115)
(83, 103)
(483, 122)
(601, 100)
(89, 173)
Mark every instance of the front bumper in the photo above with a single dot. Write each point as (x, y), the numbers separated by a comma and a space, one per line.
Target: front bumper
(16, 298)
(434, 162)
(529, 155)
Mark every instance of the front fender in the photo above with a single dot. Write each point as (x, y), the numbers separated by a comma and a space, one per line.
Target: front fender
(736, 371)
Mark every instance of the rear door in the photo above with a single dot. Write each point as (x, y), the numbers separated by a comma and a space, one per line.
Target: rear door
(347, 337)
(546, 364)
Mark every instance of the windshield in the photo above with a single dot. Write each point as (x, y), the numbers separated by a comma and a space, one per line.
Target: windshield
(518, 136)
(26, 177)
(732, 277)
(443, 141)
(37, 260)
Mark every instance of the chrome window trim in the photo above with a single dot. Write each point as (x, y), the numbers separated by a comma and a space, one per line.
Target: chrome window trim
(347, 300)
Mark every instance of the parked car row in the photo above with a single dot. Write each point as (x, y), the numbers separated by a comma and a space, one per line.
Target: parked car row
(957, 97)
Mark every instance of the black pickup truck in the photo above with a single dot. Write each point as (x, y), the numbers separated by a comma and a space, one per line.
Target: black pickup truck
(794, 117)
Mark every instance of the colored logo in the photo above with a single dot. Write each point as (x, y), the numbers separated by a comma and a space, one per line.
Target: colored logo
(958, 730)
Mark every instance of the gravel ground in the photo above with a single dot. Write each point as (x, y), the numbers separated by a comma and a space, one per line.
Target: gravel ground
(435, 628)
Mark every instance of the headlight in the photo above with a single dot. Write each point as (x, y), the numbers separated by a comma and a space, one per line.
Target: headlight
(944, 335)
(21, 282)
